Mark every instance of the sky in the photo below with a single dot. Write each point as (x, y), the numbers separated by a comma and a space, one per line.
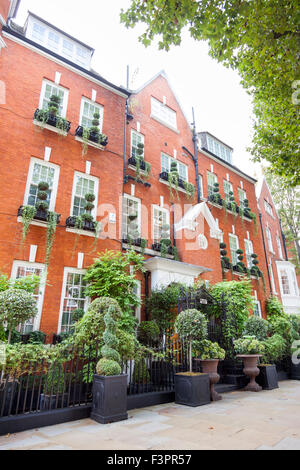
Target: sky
(221, 105)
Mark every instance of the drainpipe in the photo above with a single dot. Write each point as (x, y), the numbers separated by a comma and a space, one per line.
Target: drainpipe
(124, 156)
(147, 276)
(195, 157)
(263, 237)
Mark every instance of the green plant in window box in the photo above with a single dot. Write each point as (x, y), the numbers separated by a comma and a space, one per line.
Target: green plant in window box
(50, 235)
(87, 217)
(190, 190)
(28, 214)
(173, 179)
(139, 158)
(42, 206)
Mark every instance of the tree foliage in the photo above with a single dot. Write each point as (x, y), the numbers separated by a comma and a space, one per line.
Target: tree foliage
(110, 276)
(260, 39)
(287, 202)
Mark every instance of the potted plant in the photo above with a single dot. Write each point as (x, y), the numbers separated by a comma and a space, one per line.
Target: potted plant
(275, 350)
(209, 354)
(249, 349)
(173, 179)
(191, 389)
(216, 196)
(109, 386)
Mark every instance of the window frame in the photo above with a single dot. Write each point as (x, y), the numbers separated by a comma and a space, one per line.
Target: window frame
(248, 254)
(268, 208)
(90, 102)
(163, 210)
(139, 135)
(241, 190)
(279, 247)
(69, 270)
(139, 209)
(56, 168)
(26, 264)
(227, 195)
(172, 159)
(258, 304)
(46, 82)
(88, 177)
(208, 174)
(232, 235)
(160, 116)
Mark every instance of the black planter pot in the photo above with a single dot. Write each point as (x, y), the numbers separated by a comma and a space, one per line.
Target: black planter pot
(93, 137)
(109, 399)
(132, 161)
(40, 215)
(157, 247)
(164, 176)
(268, 378)
(181, 183)
(89, 226)
(295, 372)
(52, 120)
(215, 199)
(192, 390)
(283, 370)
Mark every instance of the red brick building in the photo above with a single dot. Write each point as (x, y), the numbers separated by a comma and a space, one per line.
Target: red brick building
(281, 272)
(39, 61)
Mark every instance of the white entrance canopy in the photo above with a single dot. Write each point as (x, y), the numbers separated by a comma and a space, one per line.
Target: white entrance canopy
(189, 220)
(165, 271)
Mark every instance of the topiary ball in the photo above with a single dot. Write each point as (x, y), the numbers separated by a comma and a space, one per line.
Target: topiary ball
(107, 367)
(110, 354)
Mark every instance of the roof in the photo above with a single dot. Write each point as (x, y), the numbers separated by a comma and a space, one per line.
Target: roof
(163, 74)
(217, 138)
(235, 168)
(13, 9)
(19, 34)
(57, 29)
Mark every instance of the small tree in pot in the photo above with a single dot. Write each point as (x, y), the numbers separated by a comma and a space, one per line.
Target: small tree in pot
(209, 354)
(191, 389)
(110, 387)
(250, 350)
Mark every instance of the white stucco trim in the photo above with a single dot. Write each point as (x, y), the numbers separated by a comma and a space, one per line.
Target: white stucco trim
(165, 271)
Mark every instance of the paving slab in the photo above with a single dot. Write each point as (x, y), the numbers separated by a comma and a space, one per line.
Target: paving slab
(269, 420)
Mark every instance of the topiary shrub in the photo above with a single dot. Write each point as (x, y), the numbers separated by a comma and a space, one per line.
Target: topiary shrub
(275, 349)
(110, 363)
(191, 325)
(248, 345)
(89, 330)
(206, 349)
(148, 332)
(16, 307)
(257, 327)
(275, 308)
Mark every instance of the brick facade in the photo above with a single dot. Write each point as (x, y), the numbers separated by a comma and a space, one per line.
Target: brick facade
(24, 70)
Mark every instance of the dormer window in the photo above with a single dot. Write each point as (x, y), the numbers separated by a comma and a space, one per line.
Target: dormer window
(55, 40)
(163, 113)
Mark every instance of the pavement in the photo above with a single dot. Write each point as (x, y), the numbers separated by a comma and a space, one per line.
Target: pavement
(269, 420)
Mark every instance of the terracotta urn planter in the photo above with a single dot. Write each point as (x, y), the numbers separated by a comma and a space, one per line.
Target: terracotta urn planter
(210, 367)
(251, 370)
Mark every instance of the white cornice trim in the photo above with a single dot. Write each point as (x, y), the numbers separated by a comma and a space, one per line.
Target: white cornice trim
(63, 64)
(2, 43)
(237, 172)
